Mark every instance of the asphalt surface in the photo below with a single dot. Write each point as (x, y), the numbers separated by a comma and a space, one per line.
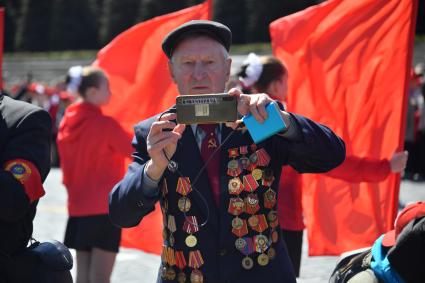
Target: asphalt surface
(134, 266)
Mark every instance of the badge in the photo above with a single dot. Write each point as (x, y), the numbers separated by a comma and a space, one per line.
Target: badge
(257, 174)
(235, 186)
(247, 263)
(233, 168)
(233, 152)
(272, 218)
(244, 162)
(249, 183)
(191, 241)
(236, 206)
(19, 169)
(252, 204)
(261, 243)
(240, 244)
(183, 186)
(258, 222)
(263, 259)
(268, 177)
(269, 198)
(172, 166)
(184, 204)
(170, 273)
(253, 221)
(196, 277)
(239, 227)
(243, 149)
(271, 253)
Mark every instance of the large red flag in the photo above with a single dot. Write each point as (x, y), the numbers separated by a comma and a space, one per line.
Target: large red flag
(1, 45)
(348, 65)
(141, 87)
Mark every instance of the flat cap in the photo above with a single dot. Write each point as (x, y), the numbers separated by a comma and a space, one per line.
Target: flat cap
(215, 30)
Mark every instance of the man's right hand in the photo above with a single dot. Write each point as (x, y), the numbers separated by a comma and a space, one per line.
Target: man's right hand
(163, 137)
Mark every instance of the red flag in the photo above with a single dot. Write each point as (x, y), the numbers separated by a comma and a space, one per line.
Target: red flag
(348, 65)
(1, 45)
(141, 87)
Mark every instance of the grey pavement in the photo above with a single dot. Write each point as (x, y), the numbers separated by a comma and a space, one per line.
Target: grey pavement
(134, 266)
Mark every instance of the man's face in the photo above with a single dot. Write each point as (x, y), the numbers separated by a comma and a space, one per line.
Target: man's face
(199, 66)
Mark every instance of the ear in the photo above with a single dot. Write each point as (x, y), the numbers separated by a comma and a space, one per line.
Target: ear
(171, 70)
(228, 67)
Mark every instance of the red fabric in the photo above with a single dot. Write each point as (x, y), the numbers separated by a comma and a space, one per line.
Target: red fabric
(92, 149)
(1, 45)
(141, 87)
(348, 65)
(208, 146)
(28, 175)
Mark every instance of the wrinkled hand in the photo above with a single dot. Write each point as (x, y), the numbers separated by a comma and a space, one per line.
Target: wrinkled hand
(160, 140)
(398, 161)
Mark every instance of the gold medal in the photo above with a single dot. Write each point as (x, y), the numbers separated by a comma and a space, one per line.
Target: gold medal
(237, 223)
(257, 174)
(235, 186)
(184, 204)
(196, 276)
(263, 259)
(271, 253)
(247, 263)
(191, 241)
(181, 277)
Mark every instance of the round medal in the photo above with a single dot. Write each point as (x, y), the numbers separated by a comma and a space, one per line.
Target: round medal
(253, 221)
(233, 164)
(271, 253)
(244, 162)
(191, 241)
(181, 277)
(263, 259)
(261, 242)
(184, 204)
(253, 158)
(271, 216)
(257, 174)
(172, 166)
(247, 263)
(170, 274)
(240, 243)
(252, 199)
(196, 276)
(235, 186)
(237, 223)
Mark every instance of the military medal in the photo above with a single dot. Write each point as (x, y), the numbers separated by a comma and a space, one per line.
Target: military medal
(263, 158)
(170, 274)
(239, 227)
(268, 177)
(249, 183)
(233, 168)
(258, 223)
(172, 166)
(169, 256)
(246, 247)
(272, 218)
(269, 198)
(263, 259)
(253, 159)
(183, 186)
(243, 161)
(181, 264)
(252, 204)
(240, 244)
(195, 262)
(271, 253)
(247, 263)
(171, 224)
(236, 206)
(235, 186)
(164, 188)
(191, 226)
(181, 277)
(261, 243)
(184, 204)
(257, 174)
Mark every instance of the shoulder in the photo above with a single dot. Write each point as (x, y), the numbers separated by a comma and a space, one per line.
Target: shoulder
(16, 112)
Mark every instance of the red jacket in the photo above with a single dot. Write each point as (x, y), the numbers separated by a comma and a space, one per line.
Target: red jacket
(353, 169)
(92, 149)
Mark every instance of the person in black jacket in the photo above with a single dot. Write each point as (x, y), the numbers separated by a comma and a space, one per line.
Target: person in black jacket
(25, 132)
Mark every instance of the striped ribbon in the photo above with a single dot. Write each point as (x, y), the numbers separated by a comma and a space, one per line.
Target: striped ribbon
(195, 259)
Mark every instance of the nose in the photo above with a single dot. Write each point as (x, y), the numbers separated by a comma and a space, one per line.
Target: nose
(199, 71)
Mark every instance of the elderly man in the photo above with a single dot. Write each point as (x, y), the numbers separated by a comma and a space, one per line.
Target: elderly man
(220, 223)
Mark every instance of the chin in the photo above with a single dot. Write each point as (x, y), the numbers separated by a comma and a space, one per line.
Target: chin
(200, 91)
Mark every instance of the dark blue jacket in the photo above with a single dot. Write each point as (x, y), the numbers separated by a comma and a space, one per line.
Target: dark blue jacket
(318, 150)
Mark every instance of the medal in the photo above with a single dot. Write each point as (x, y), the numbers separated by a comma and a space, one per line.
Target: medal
(253, 147)
(240, 244)
(170, 273)
(271, 253)
(272, 218)
(249, 183)
(252, 204)
(239, 227)
(183, 186)
(169, 256)
(195, 259)
(233, 168)
(247, 263)
(236, 206)
(268, 177)
(263, 158)
(235, 186)
(184, 204)
(269, 198)
(196, 277)
(172, 166)
(263, 259)
(275, 236)
(171, 240)
(258, 222)
(243, 161)
(233, 152)
(191, 241)
(181, 277)
(171, 224)
(261, 243)
(164, 188)
(257, 174)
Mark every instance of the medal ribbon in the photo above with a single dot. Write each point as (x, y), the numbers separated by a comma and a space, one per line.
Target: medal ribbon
(195, 259)
(243, 149)
(180, 260)
(191, 225)
(263, 157)
(183, 186)
(249, 183)
(249, 247)
(171, 224)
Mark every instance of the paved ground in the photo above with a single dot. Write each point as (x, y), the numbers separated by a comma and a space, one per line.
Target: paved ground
(134, 266)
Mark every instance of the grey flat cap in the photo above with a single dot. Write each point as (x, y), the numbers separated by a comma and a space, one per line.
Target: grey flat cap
(215, 30)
